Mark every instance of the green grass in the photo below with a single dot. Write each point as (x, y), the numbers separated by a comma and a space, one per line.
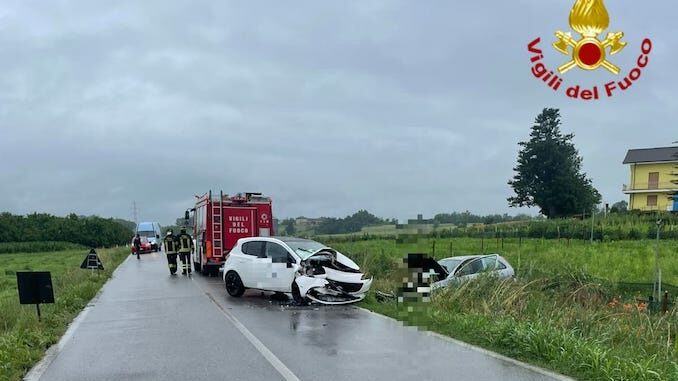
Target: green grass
(617, 261)
(583, 339)
(36, 247)
(565, 311)
(24, 339)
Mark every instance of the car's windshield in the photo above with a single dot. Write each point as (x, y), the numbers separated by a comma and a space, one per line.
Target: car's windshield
(147, 234)
(304, 248)
(449, 263)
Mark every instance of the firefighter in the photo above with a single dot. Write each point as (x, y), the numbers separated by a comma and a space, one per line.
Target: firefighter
(185, 248)
(170, 243)
(137, 245)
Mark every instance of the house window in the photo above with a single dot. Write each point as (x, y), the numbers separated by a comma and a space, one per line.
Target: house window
(653, 180)
(652, 200)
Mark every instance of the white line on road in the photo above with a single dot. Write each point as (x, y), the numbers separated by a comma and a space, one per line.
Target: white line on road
(268, 355)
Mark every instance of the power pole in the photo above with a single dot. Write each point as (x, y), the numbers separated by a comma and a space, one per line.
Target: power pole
(134, 211)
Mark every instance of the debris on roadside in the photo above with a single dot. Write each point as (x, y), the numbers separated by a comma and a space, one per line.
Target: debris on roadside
(384, 296)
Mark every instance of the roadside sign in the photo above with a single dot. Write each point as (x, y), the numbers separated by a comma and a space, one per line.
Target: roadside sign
(35, 288)
(92, 261)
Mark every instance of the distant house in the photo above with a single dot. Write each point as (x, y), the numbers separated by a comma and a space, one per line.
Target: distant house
(308, 221)
(420, 221)
(653, 179)
(301, 221)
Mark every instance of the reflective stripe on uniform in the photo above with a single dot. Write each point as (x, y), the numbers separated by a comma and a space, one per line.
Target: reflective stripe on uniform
(170, 246)
(185, 243)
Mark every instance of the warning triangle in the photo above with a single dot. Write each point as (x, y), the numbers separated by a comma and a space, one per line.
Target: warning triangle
(92, 261)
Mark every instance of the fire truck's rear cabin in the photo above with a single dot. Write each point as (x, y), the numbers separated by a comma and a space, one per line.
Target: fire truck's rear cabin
(220, 220)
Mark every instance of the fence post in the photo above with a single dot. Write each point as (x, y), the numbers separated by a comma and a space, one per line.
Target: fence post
(658, 282)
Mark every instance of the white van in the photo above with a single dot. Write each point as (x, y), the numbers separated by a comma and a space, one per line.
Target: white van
(152, 231)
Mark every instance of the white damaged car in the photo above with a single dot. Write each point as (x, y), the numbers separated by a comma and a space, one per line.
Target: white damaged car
(307, 269)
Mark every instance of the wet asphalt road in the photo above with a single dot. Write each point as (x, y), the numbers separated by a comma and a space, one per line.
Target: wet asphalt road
(148, 325)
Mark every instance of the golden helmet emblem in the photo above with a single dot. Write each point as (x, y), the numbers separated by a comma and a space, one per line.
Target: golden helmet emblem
(589, 18)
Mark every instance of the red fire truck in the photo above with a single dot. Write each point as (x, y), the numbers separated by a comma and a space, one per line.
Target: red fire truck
(220, 220)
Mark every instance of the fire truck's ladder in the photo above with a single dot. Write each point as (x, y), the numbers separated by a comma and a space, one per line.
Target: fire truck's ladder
(217, 221)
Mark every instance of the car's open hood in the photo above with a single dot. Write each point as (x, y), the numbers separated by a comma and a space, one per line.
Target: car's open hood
(426, 264)
(334, 260)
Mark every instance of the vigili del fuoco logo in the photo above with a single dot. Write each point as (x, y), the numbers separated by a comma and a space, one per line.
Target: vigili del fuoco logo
(589, 19)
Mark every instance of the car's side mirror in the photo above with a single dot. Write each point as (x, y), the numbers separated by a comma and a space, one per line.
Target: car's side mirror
(290, 261)
(157, 236)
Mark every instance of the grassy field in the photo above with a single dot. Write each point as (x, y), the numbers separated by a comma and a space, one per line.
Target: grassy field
(617, 261)
(36, 247)
(612, 227)
(387, 230)
(24, 339)
(565, 311)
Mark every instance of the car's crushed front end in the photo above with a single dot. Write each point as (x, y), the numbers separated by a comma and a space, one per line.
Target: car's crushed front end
(329, 277)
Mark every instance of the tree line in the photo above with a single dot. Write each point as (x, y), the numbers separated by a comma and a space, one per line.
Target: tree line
(349, 224)
(357, 221)
(614, 227)
(332, 225)
(464, 218)
(87, 231)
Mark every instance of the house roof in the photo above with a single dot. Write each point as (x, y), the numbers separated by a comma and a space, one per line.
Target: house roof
(649, 155)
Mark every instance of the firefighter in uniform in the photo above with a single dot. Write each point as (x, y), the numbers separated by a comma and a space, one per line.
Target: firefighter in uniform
(185, 248)
(137, 245)
(170, 243)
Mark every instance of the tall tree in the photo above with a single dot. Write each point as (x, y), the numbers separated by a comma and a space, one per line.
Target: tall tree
(619, 207)
(548, 173)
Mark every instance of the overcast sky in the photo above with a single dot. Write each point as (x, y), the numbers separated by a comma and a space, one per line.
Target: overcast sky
(397, 107)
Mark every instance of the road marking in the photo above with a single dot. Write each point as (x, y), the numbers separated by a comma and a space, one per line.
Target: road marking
(268, 355)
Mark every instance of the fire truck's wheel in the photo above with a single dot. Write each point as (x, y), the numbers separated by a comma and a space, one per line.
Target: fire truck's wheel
(234, 285)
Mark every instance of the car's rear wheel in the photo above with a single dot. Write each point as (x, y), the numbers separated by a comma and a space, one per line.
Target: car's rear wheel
(234, 285)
